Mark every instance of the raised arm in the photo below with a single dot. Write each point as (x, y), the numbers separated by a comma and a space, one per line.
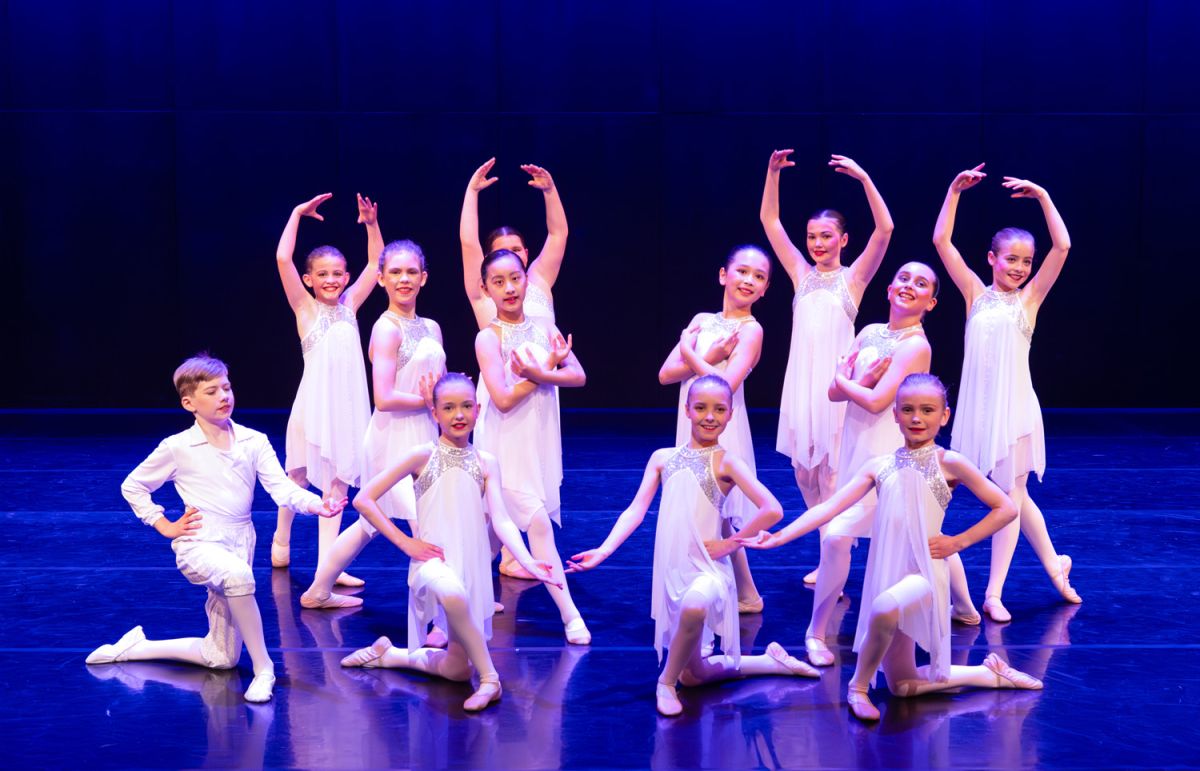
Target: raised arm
(911, 355)
(549, 260)
(963, 277)
(863, 269)
(360, 290)
(472, 249)
(491, 369)
(745, 355)
(367, 503)
(789, 256)
(846, 496)
(1060, 240)
(629, 520)
(1002, 508)
(297, 296)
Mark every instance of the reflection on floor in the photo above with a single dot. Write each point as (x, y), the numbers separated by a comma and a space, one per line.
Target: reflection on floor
(1120, 670)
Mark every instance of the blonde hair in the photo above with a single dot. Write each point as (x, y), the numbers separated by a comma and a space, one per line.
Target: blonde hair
(196, 370)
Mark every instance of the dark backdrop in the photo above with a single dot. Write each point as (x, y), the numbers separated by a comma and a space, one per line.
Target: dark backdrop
(153, 150)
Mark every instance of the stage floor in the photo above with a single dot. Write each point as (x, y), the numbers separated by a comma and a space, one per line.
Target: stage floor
(1122, 671)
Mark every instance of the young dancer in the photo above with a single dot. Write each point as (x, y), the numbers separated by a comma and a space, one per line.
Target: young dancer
(449, 576)
(329, 417)
(999, 421)
(693, 596)
(728, 344)
(823, 313)
(521, 360)
(906, 584)
(406, 353)
(213, 465)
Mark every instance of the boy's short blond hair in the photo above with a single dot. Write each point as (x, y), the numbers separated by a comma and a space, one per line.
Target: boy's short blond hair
(196, 370)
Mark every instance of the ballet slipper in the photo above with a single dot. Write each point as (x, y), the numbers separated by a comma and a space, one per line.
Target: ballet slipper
(667, 700)
(792, 664)
(818, 652)
(577, 632)
(971, 619)
(811, 578)
(331, 600)
(1062, 581)
(995, 610)
(368, 657)
(437, 639)
(513, 569)
(497, 607)
(751, 606)
(1007, 677)
(345, 579)
(281, 555)
(118, 651)
(485, 695)
(261, 687)
(861, 706)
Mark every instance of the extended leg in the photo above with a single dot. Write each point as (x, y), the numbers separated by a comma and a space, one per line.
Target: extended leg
(542, 547)
(327, 533)
(1004, 544)
(831, 579)
(1033, 525)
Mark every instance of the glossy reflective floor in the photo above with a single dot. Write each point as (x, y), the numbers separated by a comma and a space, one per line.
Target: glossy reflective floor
(1122, 671)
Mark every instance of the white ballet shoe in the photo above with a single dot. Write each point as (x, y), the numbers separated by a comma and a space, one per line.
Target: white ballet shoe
(577, 632)
(488, 693)
(789, 662)
(436, 638)
(513, 569)
(281, 556)
(497, 607)
(1007, 677)
(261, 687)
(966, 619)
(331, 600)
(811, 578)
(818, 652)
(108, 654)
(751, 606)
(666, 700)
(861, 706)
(368, 657)
(1062, 581)
(996, 611)
(345, 579)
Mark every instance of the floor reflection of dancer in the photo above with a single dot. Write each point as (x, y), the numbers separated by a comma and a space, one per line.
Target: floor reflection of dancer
(906, 587)
(450, 573)
(998, 424)
(693, 594)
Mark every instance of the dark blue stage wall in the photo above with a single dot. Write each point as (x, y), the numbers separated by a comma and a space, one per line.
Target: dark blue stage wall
(153, 150)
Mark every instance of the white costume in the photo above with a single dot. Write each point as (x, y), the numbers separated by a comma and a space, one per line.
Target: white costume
(998, 421)
(810, 424)
(736, 438)
(450, 514)
(220, 484)
(390, 435)
(526, 439)
(913, 496)
(688, 515)
(329, 417)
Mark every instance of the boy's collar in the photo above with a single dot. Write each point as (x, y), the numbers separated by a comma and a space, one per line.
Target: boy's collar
(196, 437)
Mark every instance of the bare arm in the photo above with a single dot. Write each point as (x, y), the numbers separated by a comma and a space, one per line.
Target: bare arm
(818, 515)
(963, 277)
(385, 341)
(674, 369)
(629, 520)
(468, 236)
(745, 355)
(1060, 240)
(491, 369)
(549, 260)
(504, 528)
(367, 503)
(1002, 508)
(789, 256)
(865, 266)
(912, 355)
(297, 296)
(769, 511)
(360, 290)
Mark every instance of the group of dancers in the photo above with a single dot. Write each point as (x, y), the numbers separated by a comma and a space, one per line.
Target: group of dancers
(858, 419)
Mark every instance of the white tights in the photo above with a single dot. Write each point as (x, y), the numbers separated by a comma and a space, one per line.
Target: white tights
(466, 647)
(327, 527)
(248, 628)
(1004, 543)
(345, 548)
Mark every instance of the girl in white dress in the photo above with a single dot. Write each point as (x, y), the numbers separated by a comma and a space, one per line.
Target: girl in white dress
(693, 596)
(329, 416)
(999, 421)
(457, 491)
(823, 313)
(406, 358)
(907, 581)
(727, 344)
(542, 272)
(521, 360)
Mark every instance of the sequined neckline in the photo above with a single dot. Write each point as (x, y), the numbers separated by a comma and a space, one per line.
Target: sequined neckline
(444, 457)
(925, 462)
(832, 281)
(897, 334)
(699, 464)
(515, 326)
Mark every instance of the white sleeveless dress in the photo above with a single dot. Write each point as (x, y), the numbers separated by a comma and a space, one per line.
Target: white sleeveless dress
(998, 421)
(390, 435)
(810, 425)
(913, 496)
(867, 435)
(736, 438)
(526, 440)
(688, 515)
(450, 514)
(329, 417)
(537, 306)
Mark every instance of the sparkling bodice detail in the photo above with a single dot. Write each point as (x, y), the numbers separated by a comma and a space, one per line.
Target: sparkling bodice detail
(327, 316)
(445, 457)
(512, 336)
(1005, 304)
(722, 326)
(699, 464)
(925, 462)
(537, 303)
(833, 282)
(884, 341)
(413, 331)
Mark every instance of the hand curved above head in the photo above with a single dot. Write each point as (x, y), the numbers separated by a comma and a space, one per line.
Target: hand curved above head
(965, 180)
(480, 179)
(780, 160)
(309, 207)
